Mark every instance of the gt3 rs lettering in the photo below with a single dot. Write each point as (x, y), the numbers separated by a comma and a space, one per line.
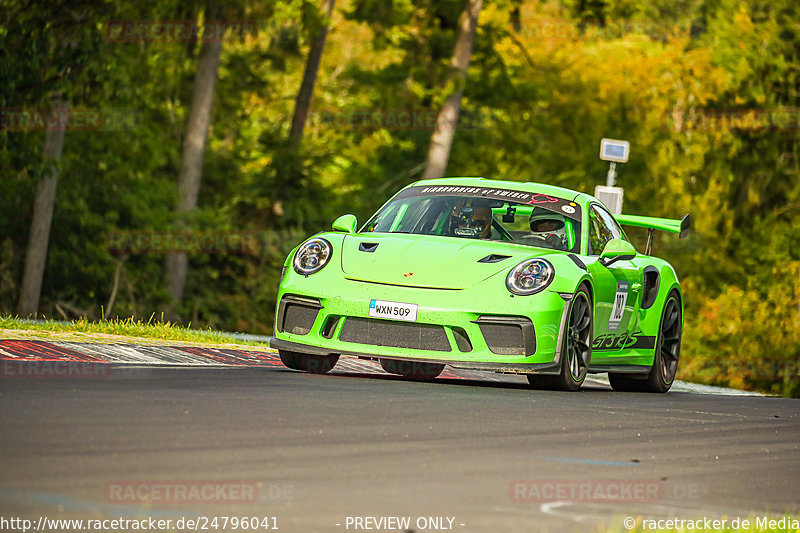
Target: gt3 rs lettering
(637, 340)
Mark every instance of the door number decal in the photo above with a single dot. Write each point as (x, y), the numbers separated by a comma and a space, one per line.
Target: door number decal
(620, 299)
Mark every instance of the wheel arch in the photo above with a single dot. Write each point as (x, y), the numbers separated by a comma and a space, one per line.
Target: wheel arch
(675, 288)
(586, 281)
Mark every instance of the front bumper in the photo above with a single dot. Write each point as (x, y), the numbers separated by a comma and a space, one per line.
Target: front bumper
(463, 328)
(552, 367)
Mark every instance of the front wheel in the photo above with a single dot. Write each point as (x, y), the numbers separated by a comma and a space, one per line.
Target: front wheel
(313, 364)
(576, 351)
(665, 359)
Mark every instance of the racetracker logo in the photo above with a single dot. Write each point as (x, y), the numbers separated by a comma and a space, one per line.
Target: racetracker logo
(754, 370)
(404, 119)
(65, 118)
(148, 31)
(551, 29)
(170, 492)
(191, 242)
(587, 490)
(725, 120)
(54, 370)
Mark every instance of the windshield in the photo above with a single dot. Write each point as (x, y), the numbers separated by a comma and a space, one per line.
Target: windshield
(486, 214)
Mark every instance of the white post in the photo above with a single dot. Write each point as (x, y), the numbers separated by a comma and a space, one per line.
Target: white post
(612, 174)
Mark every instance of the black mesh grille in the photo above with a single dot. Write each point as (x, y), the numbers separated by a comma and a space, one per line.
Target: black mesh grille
(394, 334)
(504, 339)
(299, 319)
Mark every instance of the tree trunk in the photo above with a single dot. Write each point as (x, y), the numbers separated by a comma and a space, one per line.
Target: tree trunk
(191, 171)
(303, 101)
(43, 207)
(442, 139)
(287, 163)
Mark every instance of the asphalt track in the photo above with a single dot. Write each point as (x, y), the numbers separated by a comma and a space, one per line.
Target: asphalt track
(482, 449)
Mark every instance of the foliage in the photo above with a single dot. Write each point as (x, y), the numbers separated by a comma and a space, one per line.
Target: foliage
(693, 85)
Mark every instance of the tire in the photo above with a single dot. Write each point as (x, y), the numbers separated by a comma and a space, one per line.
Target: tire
(412, 369)
(313, 364)
(665, 358)
(576, 351)
(290, 359)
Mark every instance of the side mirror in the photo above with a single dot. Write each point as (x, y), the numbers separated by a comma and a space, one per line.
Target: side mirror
(346, 223)
(617, 250)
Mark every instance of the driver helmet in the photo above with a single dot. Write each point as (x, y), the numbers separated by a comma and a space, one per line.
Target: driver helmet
(549, 227)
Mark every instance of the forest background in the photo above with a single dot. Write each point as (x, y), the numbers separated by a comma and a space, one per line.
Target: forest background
(134, 124)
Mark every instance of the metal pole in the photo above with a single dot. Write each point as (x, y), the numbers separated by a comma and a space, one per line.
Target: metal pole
(649, 248)
(612, 174)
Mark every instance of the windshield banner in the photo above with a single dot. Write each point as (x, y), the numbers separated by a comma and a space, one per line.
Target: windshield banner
(566, 207)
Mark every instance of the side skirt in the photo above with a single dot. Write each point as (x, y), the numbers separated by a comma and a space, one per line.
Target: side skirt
(633, 370)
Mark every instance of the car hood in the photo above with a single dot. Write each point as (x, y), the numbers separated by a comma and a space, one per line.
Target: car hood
(426, 261)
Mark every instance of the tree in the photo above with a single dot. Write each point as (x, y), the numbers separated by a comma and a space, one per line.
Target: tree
(290, 176)
(44, 204)
(442, 139)
(54, 48)
(303, 100)
(176, 264)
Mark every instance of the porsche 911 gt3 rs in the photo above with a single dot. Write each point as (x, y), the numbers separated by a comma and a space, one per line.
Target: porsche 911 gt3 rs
(488, 275)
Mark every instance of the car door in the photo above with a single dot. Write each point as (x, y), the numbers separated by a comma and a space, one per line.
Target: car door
(617, 287)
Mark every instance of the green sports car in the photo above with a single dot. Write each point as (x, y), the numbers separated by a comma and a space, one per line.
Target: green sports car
(489, 275)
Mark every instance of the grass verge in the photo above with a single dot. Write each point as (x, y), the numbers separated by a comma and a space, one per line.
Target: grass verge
(115, 330)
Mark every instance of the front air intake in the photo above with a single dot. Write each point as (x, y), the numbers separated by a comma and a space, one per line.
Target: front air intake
(297, 315)
(508, 335)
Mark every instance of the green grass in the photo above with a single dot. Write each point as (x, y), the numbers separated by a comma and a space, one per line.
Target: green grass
(129, 327)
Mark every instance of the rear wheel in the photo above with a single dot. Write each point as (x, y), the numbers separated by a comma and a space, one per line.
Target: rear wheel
(665, 360)
(576, 351)
(412, 369)
(313, 364)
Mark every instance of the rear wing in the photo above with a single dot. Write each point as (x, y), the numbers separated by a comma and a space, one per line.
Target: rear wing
(681, 227)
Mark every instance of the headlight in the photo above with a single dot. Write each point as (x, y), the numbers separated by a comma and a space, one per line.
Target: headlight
(312, 256)
(530, 277)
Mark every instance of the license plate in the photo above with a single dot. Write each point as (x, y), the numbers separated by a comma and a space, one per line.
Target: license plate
(393, 310)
